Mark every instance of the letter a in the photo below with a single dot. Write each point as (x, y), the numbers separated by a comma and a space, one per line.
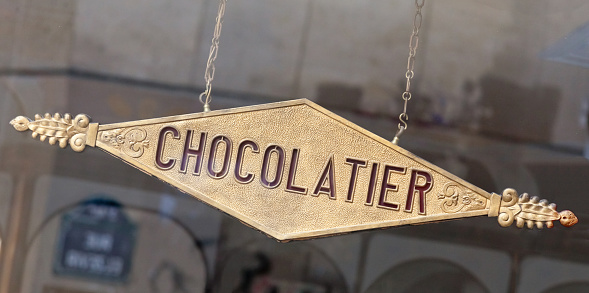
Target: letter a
(327, 175)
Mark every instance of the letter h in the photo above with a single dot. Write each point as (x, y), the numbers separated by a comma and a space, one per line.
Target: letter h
(188, 151)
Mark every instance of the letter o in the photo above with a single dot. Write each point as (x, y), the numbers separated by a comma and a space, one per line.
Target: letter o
(213, 155)
(279, 166)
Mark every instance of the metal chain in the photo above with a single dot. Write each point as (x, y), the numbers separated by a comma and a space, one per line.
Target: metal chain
(210, 71)
(413, 43)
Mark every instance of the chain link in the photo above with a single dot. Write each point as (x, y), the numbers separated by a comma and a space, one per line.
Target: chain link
(409, 74)
(205, 97)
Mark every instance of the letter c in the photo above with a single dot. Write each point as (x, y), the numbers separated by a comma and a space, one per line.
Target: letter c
(160, 148)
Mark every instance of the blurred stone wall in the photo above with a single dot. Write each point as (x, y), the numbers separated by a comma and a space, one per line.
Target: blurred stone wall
(343, 53)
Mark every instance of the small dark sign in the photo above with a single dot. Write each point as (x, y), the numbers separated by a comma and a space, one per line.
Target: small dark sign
(96, 241)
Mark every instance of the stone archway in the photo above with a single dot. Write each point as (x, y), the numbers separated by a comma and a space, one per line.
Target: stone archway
(427, 275)
(572, 287)
(165, 259)
(268, 266)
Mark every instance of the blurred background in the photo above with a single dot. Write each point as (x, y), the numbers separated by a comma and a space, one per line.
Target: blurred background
(500, 98)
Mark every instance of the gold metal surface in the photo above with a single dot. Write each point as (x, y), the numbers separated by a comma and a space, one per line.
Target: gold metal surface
(531, 212)
(294, 170)
(57, 129)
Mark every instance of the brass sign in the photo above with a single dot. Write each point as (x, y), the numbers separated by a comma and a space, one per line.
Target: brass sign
(293, 170)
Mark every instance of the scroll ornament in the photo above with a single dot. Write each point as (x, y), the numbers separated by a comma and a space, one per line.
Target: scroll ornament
(132, 142)
(455, 199)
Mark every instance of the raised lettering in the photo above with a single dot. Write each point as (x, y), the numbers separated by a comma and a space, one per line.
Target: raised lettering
(189, 152)
(248, 177)
(326, 176)
(386, 186)
(355, 165)
(279, 166)
(217, 140)
(421, 189)
(372, 184)
(160, 148)
(292, 171)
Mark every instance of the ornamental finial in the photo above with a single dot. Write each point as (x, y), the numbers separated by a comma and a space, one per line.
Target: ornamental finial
(56, 129)
(531, 211)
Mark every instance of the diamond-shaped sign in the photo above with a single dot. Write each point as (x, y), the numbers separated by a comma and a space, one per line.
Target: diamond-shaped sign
(292, 170)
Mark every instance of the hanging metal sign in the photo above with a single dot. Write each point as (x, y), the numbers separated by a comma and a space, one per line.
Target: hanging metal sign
(293, 170)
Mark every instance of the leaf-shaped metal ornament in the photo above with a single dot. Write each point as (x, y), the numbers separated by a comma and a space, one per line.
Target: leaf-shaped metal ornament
(57, 129)
(293, 170)
(530, 212)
